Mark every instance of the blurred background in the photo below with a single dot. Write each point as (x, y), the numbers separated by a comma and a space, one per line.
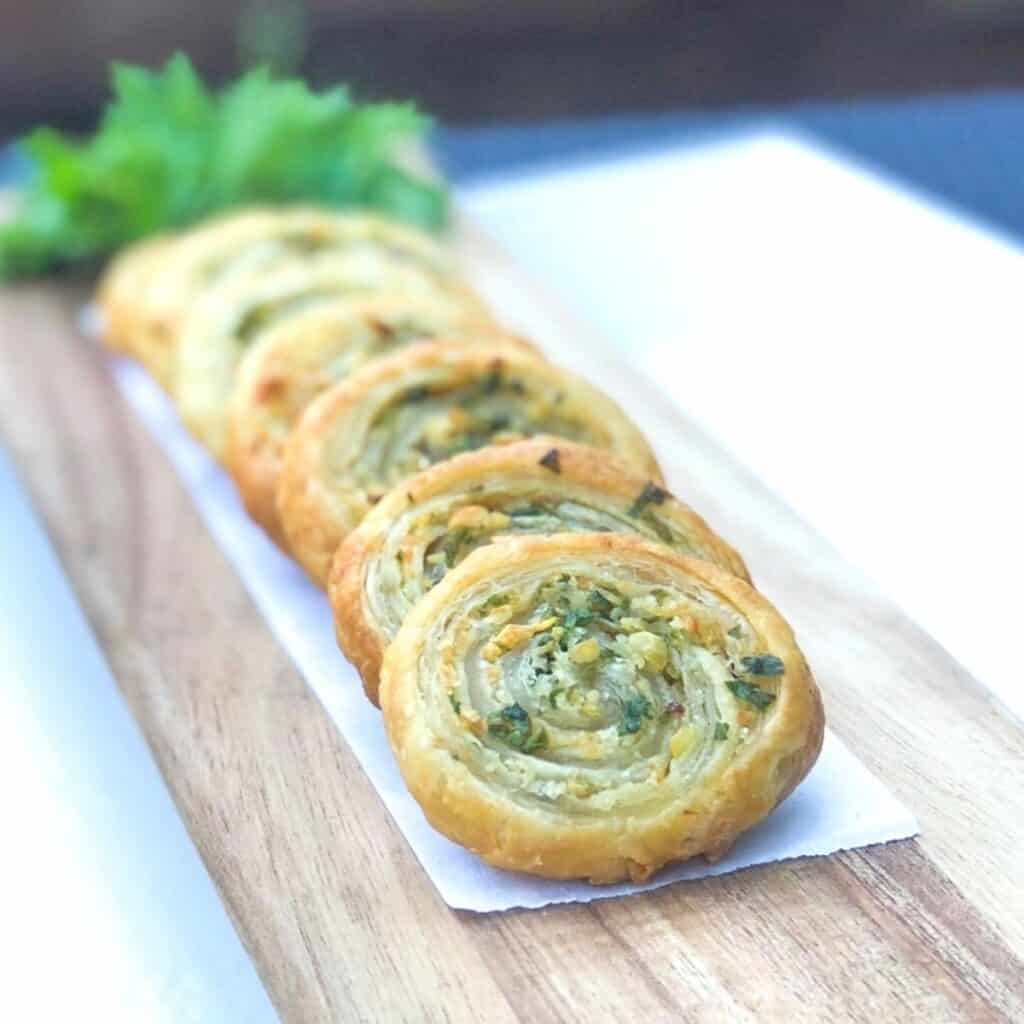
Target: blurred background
(470, 62)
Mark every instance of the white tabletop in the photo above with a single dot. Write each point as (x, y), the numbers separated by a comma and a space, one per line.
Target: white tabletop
(866, 342)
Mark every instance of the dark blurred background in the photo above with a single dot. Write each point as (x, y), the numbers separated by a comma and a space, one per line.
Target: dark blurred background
(470, 62)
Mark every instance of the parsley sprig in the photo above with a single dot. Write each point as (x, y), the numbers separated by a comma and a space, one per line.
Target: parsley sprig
(169, 151)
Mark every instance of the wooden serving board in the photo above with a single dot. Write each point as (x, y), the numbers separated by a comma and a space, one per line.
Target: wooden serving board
(341, 921)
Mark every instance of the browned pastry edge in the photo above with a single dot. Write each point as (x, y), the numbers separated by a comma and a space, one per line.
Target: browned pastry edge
(601, 848)
(311, 513)
(361, 639)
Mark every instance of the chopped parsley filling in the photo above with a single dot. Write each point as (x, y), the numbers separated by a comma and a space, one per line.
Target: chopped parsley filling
(751, 693)
(763, 665)
(634, 712)
(513, 725)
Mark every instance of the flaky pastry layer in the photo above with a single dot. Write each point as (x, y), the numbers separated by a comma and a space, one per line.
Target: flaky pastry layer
(118, 295)
(293, 362)
(597, 706)
(431, 522)
(243, 241)
(232, 317)
(399, 415)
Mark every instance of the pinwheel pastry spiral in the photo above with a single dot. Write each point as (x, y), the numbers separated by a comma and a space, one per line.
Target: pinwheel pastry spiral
(123, 282)
(247, 240)
(424, 404)
(231, 316)
(295, 361)
(431, 522)
(597, 706)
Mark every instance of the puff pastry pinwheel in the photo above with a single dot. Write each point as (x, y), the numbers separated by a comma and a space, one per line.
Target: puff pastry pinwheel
(597, 706)
(123, 281)
(247, 240)
(424, 404)
(293, 362)
(230, 318)
(431, 522)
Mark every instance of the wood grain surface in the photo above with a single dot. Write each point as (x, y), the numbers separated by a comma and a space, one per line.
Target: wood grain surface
(341, 921)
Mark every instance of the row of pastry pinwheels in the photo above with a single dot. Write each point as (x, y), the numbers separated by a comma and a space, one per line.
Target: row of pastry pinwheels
(577, 677)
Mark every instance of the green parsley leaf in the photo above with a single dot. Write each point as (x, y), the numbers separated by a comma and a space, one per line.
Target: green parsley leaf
(537, 741)
(578, 617)
(634, 711)
(170, 151)
(751, 693)
(721, 730)
(763, 665)
(513, 725)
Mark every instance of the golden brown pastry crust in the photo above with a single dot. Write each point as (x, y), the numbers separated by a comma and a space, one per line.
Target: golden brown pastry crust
(637, 784)
(290, 364)
(398, 415)
(170, 292)
(248, 240)
(124, 280)
(397, 553)
(233, 316)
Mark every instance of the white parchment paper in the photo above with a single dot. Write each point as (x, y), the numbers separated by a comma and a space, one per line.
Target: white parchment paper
(840, 805)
